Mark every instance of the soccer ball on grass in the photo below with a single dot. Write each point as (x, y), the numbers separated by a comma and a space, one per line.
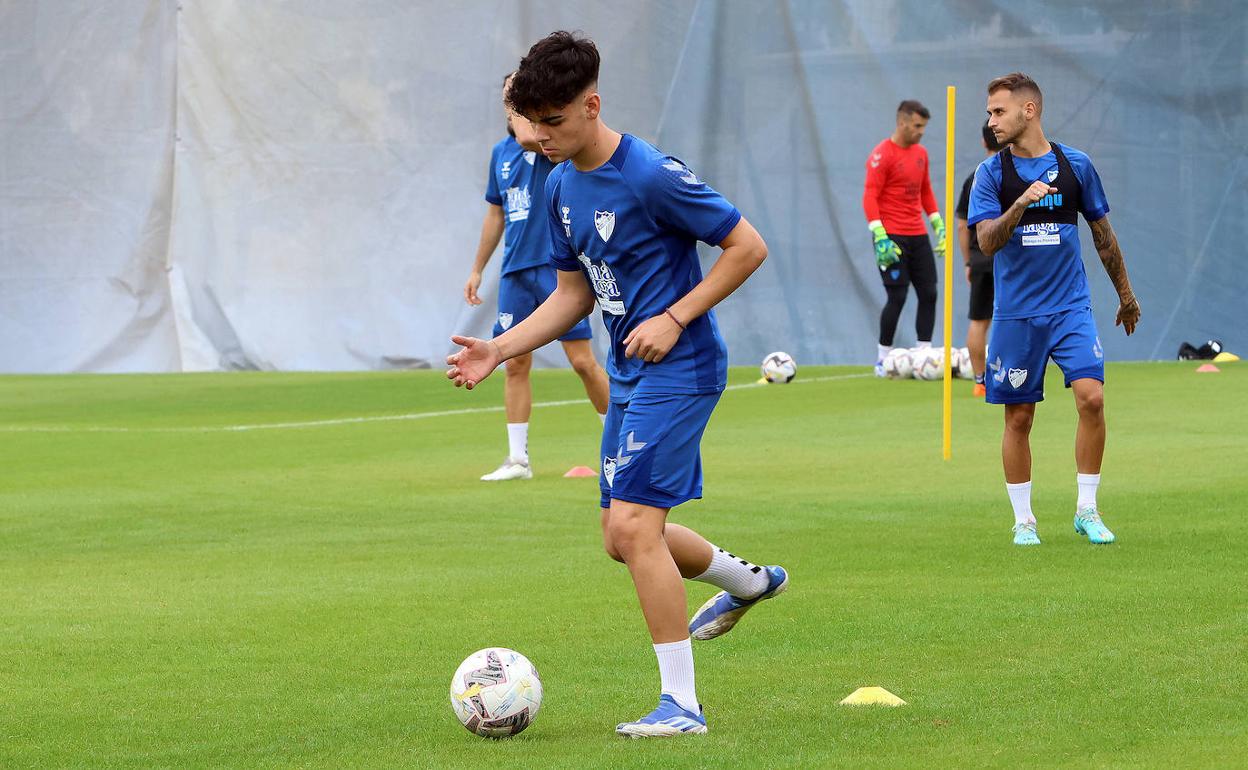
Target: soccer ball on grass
(897, 364)
(779, 367)
(496, 692)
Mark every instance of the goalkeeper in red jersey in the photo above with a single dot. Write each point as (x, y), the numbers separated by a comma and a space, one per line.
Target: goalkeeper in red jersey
(896, 199)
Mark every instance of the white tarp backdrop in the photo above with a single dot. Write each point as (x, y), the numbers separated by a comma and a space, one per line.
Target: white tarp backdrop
(297, 184)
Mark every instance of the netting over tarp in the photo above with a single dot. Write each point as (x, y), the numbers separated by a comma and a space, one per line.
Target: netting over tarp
(298, 185)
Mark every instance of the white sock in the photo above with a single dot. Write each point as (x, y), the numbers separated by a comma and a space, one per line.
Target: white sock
(518, 441)
(1020, 498)
(881, 351)
(734, 574)
(676, 673)
(603, 417)
(924, 344)
(1088, 483)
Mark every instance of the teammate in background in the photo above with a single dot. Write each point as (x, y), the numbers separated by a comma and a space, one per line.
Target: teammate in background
(896, 195)
(978, 275)
(1024, 206)
(518, 172)
(624, 221)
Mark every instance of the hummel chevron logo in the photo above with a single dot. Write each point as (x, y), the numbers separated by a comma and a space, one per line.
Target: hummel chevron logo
(632, 445)
(688, 177)
(996, 367)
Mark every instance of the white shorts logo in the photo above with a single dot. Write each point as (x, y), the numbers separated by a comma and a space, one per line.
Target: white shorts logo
(604, 223)
(1017, 377)
(608, 470)
(1097, 350)
(998, 372)
(504, 320)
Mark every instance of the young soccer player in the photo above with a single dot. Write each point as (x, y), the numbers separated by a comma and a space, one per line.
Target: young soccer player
(896, 195)
(1025, 206)
(624, 221)
(518, 174)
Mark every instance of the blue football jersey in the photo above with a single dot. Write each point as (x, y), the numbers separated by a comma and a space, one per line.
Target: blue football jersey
(1040, 270)
(517, 178)
(631, 227)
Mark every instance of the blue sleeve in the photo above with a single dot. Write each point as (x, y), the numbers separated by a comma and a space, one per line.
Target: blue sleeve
(679, 200)
(562, 255)
(1094, 206)
(985, 203)
(492, 194)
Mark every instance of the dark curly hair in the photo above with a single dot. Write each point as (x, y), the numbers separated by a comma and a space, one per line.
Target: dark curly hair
(557, 69)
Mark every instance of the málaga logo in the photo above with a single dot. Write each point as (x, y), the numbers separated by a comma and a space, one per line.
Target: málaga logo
(1017, 377)
(604, 223)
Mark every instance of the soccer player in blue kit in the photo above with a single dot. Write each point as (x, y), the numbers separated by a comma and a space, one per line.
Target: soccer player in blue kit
(625, 219)
(1024, 207)
(517, 178)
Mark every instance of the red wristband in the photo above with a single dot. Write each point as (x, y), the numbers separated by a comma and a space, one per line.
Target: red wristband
(668, 310)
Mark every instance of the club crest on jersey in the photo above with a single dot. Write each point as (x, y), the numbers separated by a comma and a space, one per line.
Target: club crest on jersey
(608, 470)
(604, 223)
(1017, 377)
(504, 320)
(530, 156)
(1051, 174)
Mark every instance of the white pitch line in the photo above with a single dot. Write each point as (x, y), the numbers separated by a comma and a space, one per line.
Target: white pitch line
(351, 420)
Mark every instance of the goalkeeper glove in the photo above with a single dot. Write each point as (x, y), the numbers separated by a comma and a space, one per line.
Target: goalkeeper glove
(887, 253)
(938, 225)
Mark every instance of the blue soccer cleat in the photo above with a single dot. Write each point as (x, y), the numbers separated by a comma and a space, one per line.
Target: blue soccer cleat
(665, 721)
(1025, 534)
(722, 611)
(1088, 522)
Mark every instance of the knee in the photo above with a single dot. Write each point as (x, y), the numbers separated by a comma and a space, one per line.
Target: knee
(1018, 420)
(609, 547)
(927, 294)
(1091, 404)
(624, 533)
(519, 366)
(584, 365)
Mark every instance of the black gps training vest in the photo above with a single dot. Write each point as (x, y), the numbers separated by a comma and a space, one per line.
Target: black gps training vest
(1060, 208)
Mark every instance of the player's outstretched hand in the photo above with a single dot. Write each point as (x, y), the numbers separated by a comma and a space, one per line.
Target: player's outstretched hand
(470, 288)
(651, 339)
(473, 362)
(1035, 193)
(1128, 314)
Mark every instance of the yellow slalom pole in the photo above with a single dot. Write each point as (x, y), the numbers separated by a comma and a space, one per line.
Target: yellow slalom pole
(951, 103)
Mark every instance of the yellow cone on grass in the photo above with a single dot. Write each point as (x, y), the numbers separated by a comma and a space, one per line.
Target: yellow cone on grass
(872, 696)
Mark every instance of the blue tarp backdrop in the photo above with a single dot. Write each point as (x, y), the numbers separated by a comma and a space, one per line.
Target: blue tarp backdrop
(297, 184)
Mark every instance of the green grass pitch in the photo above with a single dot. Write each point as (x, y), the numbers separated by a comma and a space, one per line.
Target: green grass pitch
(176, 594)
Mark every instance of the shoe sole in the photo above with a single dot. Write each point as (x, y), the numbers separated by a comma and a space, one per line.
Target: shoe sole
(656, 731)
(528, 475)
(724, 623)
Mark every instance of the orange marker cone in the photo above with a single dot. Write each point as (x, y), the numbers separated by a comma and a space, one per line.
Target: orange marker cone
(580, 471)
(1207, 368)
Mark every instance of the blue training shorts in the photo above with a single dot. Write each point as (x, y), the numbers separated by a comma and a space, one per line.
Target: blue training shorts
(1021, 348)
(650, 449)
(520, 293)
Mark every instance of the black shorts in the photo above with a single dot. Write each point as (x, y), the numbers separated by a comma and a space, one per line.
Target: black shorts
(917, 265)
(981, 296)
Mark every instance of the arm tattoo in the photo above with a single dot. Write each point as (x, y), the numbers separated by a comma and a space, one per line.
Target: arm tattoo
(1111, 256)
(993, 234)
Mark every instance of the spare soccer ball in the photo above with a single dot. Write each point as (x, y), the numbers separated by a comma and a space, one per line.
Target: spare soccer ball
(779, 367)
(496, 692)
(929, 363)
(963, 368)
(897, 364)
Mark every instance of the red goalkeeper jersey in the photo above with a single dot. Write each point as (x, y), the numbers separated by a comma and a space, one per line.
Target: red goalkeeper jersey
(898, 191)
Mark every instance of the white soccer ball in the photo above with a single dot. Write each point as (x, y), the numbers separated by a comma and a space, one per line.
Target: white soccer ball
(929, 363)
(897, 364)
(779, 367)
(963, 369)
(496, 692)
